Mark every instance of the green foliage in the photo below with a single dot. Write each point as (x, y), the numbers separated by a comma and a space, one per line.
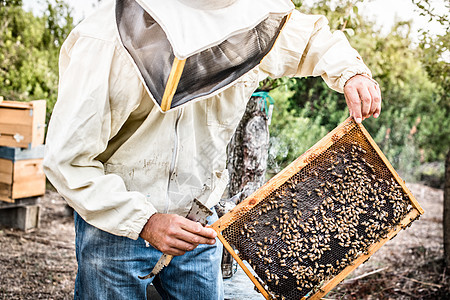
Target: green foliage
(425, 9)
(435, 58)
(29, 48)
(10, 3)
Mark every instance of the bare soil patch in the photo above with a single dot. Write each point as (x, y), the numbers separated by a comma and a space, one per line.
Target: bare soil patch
(40, 264)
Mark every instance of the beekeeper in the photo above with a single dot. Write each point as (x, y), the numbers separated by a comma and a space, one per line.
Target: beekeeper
(150, 94)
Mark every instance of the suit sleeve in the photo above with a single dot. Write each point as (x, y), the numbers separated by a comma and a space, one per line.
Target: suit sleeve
(307, 47)
(79, 130)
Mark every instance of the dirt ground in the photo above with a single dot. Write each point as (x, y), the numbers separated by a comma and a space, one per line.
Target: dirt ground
(40, 264)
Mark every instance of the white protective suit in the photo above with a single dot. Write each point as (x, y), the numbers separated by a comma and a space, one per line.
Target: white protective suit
(117, 158)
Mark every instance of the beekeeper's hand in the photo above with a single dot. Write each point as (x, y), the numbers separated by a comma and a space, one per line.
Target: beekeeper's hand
(363, 97)
(174, 235)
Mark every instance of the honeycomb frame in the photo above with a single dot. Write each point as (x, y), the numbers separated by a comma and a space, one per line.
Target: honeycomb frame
(348, 145)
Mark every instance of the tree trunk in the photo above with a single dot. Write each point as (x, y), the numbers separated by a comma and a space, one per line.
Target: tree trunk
(447, 212)
(248, 151)
(247, 162)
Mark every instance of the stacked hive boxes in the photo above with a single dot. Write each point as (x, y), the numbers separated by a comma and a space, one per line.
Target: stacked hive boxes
(22, 128)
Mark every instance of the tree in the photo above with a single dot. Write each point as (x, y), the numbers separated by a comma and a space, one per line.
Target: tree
(435, 59)
(434, 49)
(29, 49)
(246, 161)
(248, 150)
(447, 212)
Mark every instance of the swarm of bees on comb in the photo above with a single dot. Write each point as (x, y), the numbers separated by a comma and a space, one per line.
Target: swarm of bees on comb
(318, 221)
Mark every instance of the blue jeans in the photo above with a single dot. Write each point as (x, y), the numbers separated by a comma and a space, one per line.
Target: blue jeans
(109, 265)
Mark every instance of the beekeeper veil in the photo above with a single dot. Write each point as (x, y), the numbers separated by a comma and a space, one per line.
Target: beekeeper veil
(192, 49)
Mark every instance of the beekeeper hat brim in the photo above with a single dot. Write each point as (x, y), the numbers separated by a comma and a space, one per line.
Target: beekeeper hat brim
(192, 26)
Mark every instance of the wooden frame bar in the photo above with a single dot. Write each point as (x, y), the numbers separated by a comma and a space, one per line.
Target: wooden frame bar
(330, 284)
(172, 83)
(243, 266)
(326, 142)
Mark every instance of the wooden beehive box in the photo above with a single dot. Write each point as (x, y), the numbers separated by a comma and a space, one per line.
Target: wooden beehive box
(21, 173)
(22, 124)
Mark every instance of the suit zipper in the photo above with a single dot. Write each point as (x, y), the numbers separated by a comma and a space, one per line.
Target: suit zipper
(174, 160)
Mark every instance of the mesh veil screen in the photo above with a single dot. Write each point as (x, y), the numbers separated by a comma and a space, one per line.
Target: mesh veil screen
(320, 219)
(205, 72)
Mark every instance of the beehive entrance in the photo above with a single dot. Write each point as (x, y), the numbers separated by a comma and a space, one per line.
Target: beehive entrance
(334, 203)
